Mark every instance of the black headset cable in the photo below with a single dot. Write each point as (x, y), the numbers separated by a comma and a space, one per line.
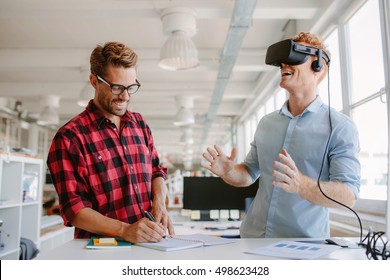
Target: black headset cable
(323, 160)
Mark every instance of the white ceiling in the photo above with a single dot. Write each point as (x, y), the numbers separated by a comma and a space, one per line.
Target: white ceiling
(45, 44)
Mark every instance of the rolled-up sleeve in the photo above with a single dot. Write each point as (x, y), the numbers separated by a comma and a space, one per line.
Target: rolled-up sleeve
(67, 166)
(343, 156)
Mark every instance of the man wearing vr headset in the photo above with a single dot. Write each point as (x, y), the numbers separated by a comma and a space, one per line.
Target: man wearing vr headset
(287, 151)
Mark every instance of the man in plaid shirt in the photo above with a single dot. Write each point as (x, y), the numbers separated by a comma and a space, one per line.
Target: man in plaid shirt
(103, 162)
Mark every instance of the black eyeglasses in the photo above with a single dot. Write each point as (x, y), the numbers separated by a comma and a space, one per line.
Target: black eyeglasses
(118, 89)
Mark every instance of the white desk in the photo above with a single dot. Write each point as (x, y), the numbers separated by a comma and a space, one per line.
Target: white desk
(75, 250)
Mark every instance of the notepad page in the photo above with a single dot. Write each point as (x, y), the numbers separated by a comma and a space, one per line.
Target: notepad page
(171, 244)
(206, 240)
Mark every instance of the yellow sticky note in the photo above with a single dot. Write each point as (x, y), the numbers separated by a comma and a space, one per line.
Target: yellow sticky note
(195, 215)
(105, 241)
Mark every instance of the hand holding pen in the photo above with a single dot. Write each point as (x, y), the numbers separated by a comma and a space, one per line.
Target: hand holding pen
(151, 218)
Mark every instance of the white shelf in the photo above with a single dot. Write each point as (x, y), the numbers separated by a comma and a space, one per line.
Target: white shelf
(9, 203)
(49, 221)
(21, 180)
(54, 236)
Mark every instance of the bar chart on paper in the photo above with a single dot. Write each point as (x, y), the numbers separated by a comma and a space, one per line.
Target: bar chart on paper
(294, 250)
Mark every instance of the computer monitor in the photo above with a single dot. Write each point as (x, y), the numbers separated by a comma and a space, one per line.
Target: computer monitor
(208, 193)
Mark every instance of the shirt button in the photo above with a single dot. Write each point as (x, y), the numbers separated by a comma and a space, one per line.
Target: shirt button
(99, 157)
(115, 128)
(125, 148)
(135, 187)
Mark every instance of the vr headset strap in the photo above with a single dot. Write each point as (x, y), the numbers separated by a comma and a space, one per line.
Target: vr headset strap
(312, 51)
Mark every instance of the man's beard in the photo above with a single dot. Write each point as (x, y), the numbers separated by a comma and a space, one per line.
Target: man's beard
(109, 107)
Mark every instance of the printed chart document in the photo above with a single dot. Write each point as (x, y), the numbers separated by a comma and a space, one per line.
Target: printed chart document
(107, 243)
(295, 250)
(181, 242)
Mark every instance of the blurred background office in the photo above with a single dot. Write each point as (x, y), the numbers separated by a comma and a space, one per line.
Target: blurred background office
(216, 94)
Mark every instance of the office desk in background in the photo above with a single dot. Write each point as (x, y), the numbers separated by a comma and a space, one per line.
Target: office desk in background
(75, 249)
(216, 228)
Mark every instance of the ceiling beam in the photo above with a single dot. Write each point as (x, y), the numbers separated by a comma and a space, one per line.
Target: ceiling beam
(240, 22)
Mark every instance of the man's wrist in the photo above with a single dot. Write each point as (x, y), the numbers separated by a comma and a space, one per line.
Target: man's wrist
(306, 187)
(158, 200)
(122, 230)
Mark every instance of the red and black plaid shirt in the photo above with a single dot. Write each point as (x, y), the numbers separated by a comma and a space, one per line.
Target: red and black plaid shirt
(94, 165)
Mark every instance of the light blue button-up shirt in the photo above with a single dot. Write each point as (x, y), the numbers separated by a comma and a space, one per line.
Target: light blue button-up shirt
(279, 214)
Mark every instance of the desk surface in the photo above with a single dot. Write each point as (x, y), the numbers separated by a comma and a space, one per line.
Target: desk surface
(75, 250)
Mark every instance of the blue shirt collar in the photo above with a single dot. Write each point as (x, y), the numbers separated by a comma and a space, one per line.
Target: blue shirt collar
(313, 107)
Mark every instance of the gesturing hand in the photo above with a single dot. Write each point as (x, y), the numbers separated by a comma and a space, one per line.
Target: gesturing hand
(218, 162)
(287, 174)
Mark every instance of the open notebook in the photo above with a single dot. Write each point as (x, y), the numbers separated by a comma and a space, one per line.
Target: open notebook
(181, 242)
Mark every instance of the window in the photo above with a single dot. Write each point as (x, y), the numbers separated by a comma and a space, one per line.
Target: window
(373, 141)
(334, 77)
(247, 137)
(280, 98)
(270, 105)
(260, 113)
(368, 103)
(366, 52)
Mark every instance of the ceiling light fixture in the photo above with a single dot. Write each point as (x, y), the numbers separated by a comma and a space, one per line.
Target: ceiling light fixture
(184, 116)
(87, 93)
(178, 52)
(49, 114)
(186, 137)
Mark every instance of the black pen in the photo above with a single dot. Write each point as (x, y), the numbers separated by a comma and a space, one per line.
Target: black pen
(151, 218)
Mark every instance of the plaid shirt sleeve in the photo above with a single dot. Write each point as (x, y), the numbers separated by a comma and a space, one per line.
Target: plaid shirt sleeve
(69, 173)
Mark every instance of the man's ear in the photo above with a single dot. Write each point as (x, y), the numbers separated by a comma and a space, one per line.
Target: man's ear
(93, 80)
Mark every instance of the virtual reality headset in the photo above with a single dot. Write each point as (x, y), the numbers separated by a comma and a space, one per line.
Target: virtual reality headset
(291, 53)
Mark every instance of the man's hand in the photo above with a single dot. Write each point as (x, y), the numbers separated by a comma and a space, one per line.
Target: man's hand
(287, 174)
(160, 213)
(219, 163)
(143, 230)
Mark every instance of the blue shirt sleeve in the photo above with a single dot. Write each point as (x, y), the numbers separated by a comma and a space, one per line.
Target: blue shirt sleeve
(344, 165)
